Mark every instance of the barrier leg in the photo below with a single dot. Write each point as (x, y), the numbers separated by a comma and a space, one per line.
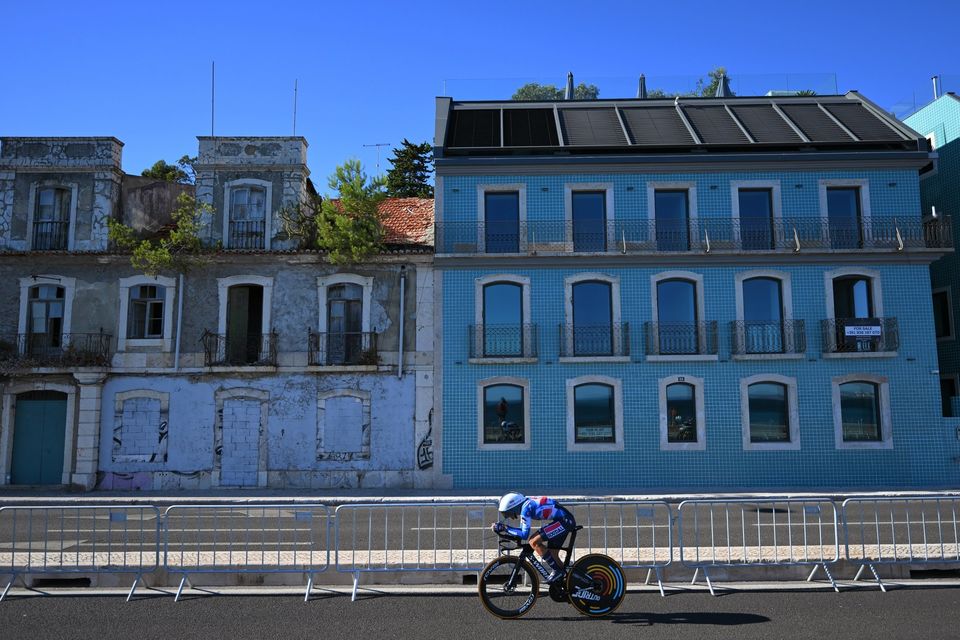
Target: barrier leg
(356, 583)
(696, 572)
(647, 581)
(877, 576)
(9, 584)
(706, 577)
(306, 596)
(660, 582)
(859, 572)
(826, 570)
(813, 573)
(134, 587)
(184, 580)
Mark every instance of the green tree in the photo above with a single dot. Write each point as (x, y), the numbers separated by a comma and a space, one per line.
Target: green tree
(707, 87)
(177, 251)
(537, 91)
(301, 220)
(181, 173)
(410, 175)
(348, 227)
(806, 92)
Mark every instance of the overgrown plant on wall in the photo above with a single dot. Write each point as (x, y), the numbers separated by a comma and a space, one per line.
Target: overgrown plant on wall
(300, 221)
(348, 225)
(177, 251)
(181, 173)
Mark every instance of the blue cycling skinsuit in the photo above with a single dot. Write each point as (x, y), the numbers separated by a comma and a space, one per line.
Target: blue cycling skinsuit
(543, 508)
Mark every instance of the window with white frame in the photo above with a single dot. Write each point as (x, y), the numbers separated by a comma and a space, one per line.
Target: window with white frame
(861, 412)
(588, 213)
(146, 312)
(46, 306)
(679, 329)
(502, 214)
(51, 220)
(593, 328)
(845, 206)
(594, 414)
(344, 334)
(768, 407)
(247, 212)
(503, 412)
(855, 322)
(502, 324)
(682, 413)
(764, 314)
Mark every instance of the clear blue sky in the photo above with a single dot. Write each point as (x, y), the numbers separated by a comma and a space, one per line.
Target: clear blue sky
(368, 72)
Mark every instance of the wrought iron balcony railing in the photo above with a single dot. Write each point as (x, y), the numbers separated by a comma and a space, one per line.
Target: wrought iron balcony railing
(503, 340)
(56, 349)
(221, 350)
(349, 348)
(50, 235)
(247, 234)
(681, 338)
(860, 335)
(786, 336)
(705, 234)
(594, 340)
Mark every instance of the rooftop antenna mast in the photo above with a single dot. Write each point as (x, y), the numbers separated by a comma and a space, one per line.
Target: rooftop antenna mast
(213, 84)
(294, 106)
(378, 145)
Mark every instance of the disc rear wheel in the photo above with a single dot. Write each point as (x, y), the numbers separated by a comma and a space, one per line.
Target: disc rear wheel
(507, 594)
(596, 585)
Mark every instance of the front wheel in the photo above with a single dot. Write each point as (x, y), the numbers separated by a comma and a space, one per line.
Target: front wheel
(508, 588)
(596, 585)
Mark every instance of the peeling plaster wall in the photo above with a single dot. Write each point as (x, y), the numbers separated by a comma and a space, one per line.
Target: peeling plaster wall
(291, 430)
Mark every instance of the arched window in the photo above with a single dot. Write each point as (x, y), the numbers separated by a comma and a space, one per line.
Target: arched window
(248, 205)
(503, 320)
(763, 315)
(677, 317)
(593, 331)
(504, 413)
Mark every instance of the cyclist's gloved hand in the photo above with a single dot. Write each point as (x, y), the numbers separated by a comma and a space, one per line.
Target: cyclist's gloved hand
(498, 527)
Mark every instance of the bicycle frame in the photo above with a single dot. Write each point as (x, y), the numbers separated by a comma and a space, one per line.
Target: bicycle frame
(527, 555)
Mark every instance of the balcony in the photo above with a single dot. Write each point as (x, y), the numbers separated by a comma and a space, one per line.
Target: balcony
(503, 341)
(681, 338)
(704, 235)
(255, 350)
(247, 234)
(860, 335)
(764, 338)
(592, 341)
(50, 235)
(27, 350)
(342, 349)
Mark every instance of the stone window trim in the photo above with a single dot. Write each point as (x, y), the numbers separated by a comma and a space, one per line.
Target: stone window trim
(524, 384)
(162, 429)
(697, 383)
(169, 290)
(861, 183)
(886, 424)
(325, 282)
(366, 423)
(615, 319)
(617, 444)
(69, 291)
(572, 187)
(951, 326)
(786, 302)
(775, 196)
(9, 409)
(686, 185)
(697, 280)
(793, 415)
(35, 187)
(223, 287)
(876, 293)
(482, 190)
(507, 278)
(267, 186)
(221, 395)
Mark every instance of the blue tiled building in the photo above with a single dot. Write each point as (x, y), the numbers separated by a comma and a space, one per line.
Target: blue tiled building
(939, 122)
(701, 294)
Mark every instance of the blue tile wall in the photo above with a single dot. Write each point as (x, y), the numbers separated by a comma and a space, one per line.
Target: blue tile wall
(924, 454)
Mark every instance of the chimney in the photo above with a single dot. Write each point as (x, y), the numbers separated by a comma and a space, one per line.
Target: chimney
(936, 89)
(642, 87)
(723, 88)
(568, 94)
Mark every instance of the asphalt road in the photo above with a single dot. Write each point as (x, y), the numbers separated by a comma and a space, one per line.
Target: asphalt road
(917, 612)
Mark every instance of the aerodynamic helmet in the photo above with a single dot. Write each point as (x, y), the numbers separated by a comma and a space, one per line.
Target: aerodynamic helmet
(510, 504)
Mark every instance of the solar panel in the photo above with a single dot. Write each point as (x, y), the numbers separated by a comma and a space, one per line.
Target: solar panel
(814, 123)
(765, 124)
(714, 125)
(864, 124)
(475, 128)
(656, 125)
(529, 128)
(592, 127)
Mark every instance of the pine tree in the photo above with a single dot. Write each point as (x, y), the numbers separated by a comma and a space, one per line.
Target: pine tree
(348, 227)
(410, 175)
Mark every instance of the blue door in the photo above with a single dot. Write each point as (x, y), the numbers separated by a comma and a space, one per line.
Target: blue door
(38, 435)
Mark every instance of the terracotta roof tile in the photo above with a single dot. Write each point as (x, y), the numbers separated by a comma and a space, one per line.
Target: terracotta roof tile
(408, 220)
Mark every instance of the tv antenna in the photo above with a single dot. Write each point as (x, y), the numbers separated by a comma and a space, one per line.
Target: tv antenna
(378, 145)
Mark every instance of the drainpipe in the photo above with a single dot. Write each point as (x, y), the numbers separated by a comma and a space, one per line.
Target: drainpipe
(403, 283)
(176, 354)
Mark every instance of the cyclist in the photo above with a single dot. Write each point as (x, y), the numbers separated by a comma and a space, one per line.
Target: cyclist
(548, 538)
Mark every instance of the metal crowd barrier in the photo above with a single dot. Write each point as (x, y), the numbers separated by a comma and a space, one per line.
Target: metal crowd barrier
(916, 530)
(414, 537)
(219, 538)
(739, 533)
(637, 534)
(79, 539)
